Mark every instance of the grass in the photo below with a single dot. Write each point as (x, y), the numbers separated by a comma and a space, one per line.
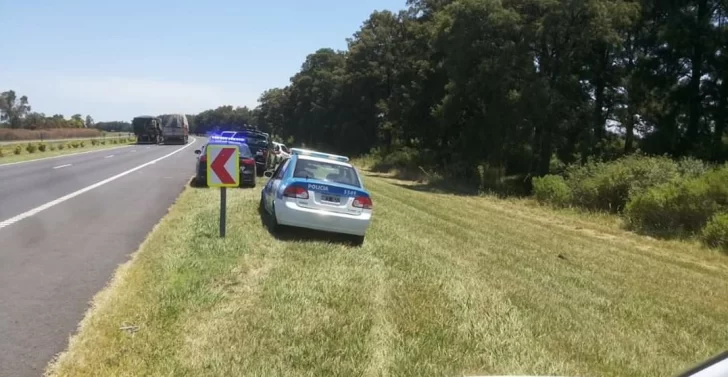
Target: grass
(445, 285)
(47, 134)
(7, 154)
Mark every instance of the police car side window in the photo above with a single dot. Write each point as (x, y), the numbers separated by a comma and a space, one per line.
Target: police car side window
(282, 170)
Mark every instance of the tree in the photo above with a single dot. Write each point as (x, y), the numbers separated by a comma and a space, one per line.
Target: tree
(89, 122)
(12, 109)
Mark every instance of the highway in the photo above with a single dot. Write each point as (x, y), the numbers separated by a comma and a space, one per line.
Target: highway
(66, 224)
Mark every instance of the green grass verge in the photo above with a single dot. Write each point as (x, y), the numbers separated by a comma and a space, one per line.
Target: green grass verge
(7, 154)
(445, 285)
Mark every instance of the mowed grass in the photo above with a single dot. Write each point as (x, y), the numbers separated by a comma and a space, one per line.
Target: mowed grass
(444, 285)
(9, 156)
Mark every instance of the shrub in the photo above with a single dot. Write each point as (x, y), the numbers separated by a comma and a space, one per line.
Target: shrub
(31, 148)
(715, 233)
(683, 206)
(42, 147)
(608, 186)
(102, 142)
(61, 146)
(81, 144)
(18, 149)
(94, 142)
(690, 167)
(74, 144)
(52, 147)
(552, 189)
(1, 153)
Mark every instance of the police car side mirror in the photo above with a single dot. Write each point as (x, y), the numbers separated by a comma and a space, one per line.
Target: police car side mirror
(268, 173)
(197, 151)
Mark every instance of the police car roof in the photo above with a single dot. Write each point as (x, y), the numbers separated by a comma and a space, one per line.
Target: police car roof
(320, 159)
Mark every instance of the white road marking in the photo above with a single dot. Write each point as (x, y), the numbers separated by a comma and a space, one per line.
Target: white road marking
(61, 166)
(63, 155)
(109, 156)
(74, 194)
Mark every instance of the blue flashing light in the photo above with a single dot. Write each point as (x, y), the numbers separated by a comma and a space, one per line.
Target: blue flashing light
(226, 140)
(305, 152)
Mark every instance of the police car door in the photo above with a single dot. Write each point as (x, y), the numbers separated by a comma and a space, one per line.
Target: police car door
(276, 181)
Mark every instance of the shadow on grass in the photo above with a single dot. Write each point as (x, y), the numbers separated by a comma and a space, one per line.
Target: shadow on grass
(292, 234)
(512, 186)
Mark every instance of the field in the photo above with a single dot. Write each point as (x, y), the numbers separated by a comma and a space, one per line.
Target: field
(445, 285)
(21, 151)
(7, 134)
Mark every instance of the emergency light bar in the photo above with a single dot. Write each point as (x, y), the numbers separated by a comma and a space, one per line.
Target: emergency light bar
(223, 139)
(305, 152)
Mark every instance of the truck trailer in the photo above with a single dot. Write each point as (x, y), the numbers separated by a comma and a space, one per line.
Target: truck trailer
(148, 129)
(175, 129)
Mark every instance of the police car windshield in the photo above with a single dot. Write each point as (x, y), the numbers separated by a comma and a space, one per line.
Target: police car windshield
(326, 171)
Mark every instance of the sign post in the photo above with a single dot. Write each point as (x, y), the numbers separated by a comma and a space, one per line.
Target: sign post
(223, 170)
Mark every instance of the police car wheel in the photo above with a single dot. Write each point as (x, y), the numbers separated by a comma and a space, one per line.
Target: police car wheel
(357, 240)
(274, 226)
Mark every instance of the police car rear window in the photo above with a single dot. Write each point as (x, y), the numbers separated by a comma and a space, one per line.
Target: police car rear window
(326, 171)
(244, 149)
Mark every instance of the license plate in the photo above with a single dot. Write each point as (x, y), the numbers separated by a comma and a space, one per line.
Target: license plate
(330, 199)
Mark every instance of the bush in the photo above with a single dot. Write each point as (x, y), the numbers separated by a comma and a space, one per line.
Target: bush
(552, 189)
(42, 147)
(31, 148)
(18, 149)
(1, 153)
(683, 206)
(52, 147)
(102, 142)
(689, 167)
(74, 144)
(61, 146)
(81, 144)
(609, 185)
(94, 142)
(715, 233)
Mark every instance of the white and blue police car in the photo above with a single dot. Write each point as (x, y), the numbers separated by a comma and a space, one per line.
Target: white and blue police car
(317, 191)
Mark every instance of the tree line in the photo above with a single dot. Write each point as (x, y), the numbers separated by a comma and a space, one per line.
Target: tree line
(16, 113)
(517, 85)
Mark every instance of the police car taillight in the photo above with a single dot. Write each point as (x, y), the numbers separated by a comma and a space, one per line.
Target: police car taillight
(363, 202)
(297, 192)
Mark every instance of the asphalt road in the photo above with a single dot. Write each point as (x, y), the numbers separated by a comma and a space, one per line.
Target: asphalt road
(65, 225)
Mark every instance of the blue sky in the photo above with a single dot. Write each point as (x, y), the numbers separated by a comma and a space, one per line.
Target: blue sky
(118, 59)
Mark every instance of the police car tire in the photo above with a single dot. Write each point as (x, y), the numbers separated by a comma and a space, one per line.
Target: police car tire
(357, 240)
(274, 226)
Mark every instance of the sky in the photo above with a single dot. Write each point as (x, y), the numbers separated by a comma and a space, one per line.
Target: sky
(115, 60)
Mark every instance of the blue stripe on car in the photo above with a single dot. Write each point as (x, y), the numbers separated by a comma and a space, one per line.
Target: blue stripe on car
(329, 188)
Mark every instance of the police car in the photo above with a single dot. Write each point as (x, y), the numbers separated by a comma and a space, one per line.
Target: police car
(317, 191)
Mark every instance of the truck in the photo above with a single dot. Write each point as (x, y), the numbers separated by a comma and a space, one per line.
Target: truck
(148, 129)
(175, 128)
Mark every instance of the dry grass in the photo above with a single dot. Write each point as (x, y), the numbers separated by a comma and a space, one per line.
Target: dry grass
(7, 134)
(445, 285)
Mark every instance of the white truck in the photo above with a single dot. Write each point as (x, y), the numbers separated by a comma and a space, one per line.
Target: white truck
(175, 128)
